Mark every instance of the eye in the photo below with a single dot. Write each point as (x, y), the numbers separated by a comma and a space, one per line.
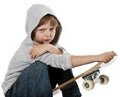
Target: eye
(52, 29)
(41, 30)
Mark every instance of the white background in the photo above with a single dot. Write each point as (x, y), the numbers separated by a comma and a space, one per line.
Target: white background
(89, 27)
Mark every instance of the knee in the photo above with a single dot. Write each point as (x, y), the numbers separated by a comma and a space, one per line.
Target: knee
(39, 66)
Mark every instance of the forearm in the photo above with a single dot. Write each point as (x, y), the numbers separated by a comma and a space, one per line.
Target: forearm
(82, 60)
(62, 61)
(55, 50)
(38, 50)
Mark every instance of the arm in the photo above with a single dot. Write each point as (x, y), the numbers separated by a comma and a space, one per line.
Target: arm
(67, 61)
(82, 60)
(38, 50)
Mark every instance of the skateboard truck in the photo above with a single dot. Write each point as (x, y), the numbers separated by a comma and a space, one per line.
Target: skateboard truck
(92, 78)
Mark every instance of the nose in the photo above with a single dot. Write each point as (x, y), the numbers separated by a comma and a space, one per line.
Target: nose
(48, 33)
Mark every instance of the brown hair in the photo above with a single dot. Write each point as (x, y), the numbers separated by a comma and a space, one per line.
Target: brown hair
(53, 22)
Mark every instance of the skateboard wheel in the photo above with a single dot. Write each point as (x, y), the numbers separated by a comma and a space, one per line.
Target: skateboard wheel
(103, 79)
(88, 85)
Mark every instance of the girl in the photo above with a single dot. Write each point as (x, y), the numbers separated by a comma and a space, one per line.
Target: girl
(40, 63)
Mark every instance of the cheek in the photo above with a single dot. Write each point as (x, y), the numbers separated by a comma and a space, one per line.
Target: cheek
(38, 36)
(53, 35)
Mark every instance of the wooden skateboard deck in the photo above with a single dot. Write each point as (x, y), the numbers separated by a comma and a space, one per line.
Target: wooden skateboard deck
(87, 72)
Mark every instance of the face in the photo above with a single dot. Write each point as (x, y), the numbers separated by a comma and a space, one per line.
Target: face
(45, 33)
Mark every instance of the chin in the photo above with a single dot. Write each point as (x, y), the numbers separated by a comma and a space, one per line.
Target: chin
(46, 42)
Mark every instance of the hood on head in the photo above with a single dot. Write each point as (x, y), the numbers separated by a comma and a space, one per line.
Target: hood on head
(34, 15)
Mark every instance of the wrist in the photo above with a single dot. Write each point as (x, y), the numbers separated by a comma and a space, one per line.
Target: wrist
(97, 58)
(48, 47)
(59, 51)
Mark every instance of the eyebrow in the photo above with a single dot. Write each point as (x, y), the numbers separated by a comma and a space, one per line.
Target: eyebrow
(46, 28)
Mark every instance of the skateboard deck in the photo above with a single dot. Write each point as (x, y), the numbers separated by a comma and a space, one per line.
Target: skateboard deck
(90, 78)
(95, 67)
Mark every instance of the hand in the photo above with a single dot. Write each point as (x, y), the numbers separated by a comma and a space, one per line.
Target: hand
(54, 50)
(106, 57)
(38, 50)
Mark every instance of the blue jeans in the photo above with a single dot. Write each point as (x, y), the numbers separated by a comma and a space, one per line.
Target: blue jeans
(59, 76)
(37, 81)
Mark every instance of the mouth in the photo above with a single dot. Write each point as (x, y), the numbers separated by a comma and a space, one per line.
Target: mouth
(47, 40)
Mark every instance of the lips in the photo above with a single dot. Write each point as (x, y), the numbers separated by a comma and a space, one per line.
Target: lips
(47, 40)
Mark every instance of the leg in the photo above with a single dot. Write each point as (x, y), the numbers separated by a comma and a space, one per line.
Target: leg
(60, 76)
(33, 82)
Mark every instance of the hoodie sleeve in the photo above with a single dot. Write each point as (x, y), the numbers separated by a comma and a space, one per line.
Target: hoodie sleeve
(62, 61)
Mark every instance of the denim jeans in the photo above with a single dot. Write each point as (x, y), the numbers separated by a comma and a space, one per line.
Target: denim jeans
(59, 76)
(38, 79)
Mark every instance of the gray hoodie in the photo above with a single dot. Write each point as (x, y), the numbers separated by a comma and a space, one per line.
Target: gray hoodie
(22, 59)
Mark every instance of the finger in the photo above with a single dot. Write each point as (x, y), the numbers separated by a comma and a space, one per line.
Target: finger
(33, 49)
(30, 51)
(113, 53)
(33, 55)
(109, 58)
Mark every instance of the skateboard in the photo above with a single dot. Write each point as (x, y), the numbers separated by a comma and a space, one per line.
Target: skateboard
(90, 76)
